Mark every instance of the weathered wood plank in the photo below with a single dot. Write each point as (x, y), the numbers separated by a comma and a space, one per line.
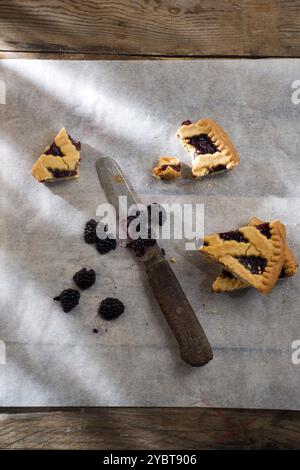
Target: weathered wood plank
(152, 27)
(149, 428)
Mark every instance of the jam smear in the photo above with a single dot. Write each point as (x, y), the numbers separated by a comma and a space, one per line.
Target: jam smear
(203, 144)
(255, 264)
(77, 145)
(233, 235)
(175, 167)
(54, 150)
(265, 229)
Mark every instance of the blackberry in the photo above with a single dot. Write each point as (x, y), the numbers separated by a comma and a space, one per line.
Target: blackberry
(130, 218)
(90, 235)
(156, 211)
(84, 278)
(69, 298)
(140, 245)
(111, 308)
(106, 245)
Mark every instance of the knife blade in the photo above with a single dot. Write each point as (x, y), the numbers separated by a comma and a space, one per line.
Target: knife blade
(193, 343)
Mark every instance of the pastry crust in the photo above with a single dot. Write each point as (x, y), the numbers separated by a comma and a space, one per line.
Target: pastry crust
(48, 164)
(290, 263)
(167, 168)
(226, 156)
(233, 254)
(227, 282)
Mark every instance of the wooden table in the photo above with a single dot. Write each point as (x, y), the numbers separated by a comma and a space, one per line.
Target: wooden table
(151, 29)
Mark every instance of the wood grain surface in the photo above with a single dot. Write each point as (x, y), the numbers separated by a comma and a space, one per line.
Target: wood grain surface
(149, 428)
(76, 29)
(153, 27)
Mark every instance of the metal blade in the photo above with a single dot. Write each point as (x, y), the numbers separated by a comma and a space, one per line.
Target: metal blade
(114, 183)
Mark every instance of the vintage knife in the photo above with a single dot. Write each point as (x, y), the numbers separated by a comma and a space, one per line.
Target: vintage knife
(194, 346)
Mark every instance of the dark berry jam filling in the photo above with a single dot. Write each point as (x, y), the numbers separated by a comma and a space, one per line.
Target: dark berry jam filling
(265, 229)
(255, 264)
(62, 173)
(77, 145)
(218, 168)
(203, 144)
(226, 273)
(282, 273)
(174, 167)
(54, 150)
(186, 123)
(233, 235)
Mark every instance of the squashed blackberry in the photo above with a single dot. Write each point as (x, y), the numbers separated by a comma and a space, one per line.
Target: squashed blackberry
(84, 278)
(106, 245)
(111, 308)
(90, 235)
(69, 298)
(140, 245)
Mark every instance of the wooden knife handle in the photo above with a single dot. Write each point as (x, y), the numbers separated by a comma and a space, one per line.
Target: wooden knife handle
(194, 346)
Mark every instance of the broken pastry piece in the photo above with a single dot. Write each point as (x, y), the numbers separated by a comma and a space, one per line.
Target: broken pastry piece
(60, 160)
(227, 282)
(209, 146)
(253, 254)
(167, 168)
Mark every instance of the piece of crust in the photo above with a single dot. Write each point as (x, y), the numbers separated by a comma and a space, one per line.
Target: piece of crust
(290, 263)
(227, 282)
(167, 168)
(47, 164)
(256, 246)
(225, 158)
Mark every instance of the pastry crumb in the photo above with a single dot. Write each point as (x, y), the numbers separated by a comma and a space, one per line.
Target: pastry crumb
(167, 168)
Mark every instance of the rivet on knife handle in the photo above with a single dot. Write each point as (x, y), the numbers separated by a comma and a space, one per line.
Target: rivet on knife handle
(194, 346)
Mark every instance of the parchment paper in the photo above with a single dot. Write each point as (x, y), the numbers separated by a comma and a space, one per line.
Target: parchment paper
(131, 110)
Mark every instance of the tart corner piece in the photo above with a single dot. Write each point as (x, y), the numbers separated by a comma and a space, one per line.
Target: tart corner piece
(252, 254)
(60, 160)
(209, 146)
(167, 168)
(226, 282)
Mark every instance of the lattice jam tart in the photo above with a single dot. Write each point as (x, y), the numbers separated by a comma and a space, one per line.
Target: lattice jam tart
(253, 254)
(60, 160)
(209, 146)
(227, 282)
(167, 168)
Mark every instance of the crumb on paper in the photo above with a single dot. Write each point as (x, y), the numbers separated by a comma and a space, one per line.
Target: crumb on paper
(173, 260)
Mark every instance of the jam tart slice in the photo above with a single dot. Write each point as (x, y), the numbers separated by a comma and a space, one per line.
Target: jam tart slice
(60, 160)
(167, 168)
(209, 146)
(227, 282)
(252, 254)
